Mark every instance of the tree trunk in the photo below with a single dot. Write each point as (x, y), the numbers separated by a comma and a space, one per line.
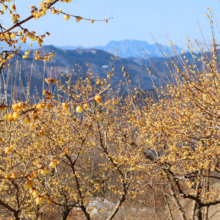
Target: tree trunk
(199, 213)
(206, 212)
(193, 212)
(119, 203)
(176, 201)
(64, 211)
(206, 209)
(87, 215)
(65, 214)
(168, 207)
(16, 215)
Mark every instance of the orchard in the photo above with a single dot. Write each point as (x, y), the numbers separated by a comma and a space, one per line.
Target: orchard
(84, 151)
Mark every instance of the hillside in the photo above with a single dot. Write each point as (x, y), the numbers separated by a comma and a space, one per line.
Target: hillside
(99, 63)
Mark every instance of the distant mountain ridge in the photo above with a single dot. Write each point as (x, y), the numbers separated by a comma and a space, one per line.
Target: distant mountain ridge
(64, 61)
(126, 48)
(131, 48)
(32, 73)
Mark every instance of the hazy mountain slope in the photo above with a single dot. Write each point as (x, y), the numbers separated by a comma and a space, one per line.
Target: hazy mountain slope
(99, 63)
(126, 48)
(131, 48)
(134, 48)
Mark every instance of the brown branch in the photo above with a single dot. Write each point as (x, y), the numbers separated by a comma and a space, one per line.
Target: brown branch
(88, 19)
(27, 19)
(82, 205)
(119, 203)
(7, 206)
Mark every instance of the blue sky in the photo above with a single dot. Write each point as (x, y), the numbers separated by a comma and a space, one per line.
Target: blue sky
(133, 19)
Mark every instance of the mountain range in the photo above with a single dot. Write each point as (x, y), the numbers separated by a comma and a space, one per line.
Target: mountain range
(131, 48)
(24, 72)
(126, 48)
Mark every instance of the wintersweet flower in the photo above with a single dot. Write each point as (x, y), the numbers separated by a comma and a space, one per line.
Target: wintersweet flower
(39, 200)
(79, 109)
(98, 98)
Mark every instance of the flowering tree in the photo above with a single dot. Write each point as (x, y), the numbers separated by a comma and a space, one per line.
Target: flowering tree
(62, 157)
(11, 36)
